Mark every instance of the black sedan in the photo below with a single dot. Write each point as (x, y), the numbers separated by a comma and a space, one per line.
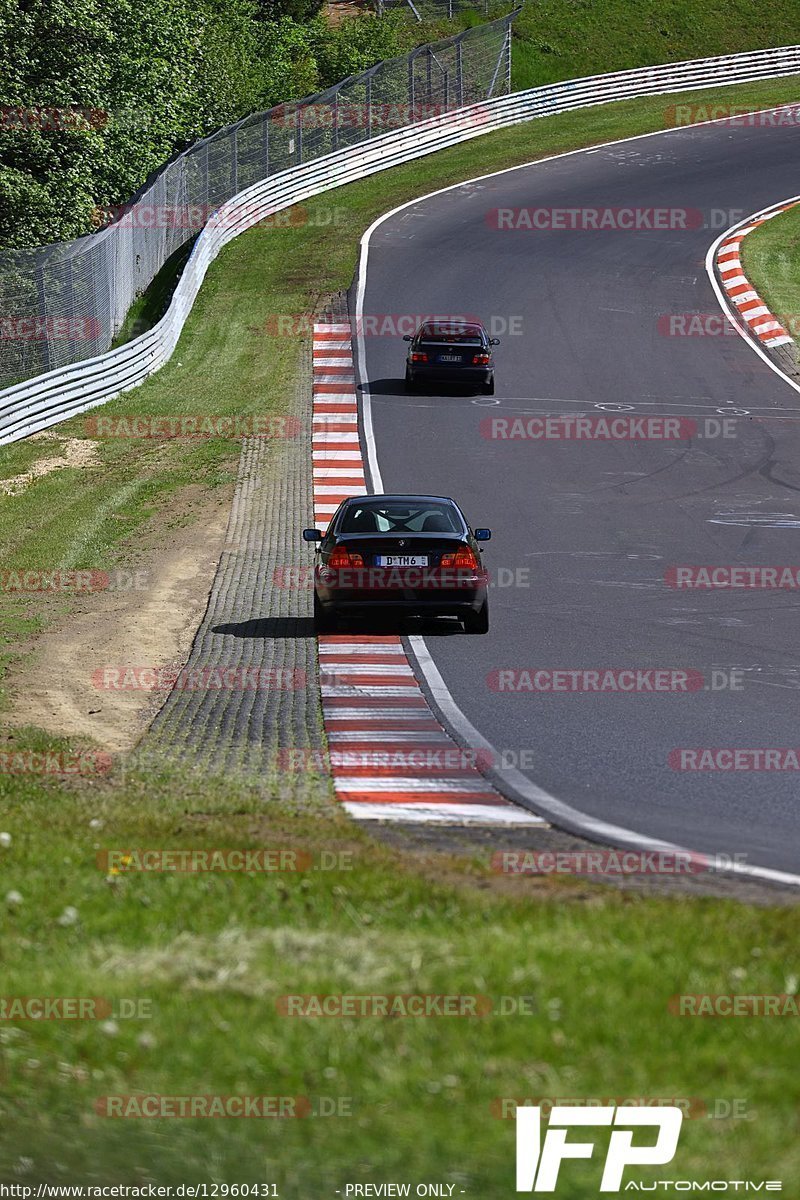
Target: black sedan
(408, 555)
(457, 351)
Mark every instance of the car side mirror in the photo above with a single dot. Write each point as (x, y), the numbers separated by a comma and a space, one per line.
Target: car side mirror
(407, 337)
(494, 341)
(312, 535)
(483, 535)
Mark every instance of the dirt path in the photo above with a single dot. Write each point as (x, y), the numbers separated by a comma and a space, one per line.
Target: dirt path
(149, 623)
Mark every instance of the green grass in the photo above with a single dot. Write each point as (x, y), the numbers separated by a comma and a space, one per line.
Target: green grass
(212, 953)
(771, 258)
(565, 39)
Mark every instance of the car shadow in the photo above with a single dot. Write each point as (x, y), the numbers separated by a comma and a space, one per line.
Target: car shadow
(268, 627)
(401, 626)
(384, 387)
(397, 387)
(303, 627)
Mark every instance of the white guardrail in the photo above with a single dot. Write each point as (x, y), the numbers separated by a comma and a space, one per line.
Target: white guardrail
(47, 399)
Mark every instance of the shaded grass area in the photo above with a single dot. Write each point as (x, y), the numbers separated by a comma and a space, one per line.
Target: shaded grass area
(150, 307)
(211, 954)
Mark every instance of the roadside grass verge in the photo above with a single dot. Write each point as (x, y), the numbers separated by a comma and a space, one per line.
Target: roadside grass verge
(212, 953)
(771, 259)
(203, 960)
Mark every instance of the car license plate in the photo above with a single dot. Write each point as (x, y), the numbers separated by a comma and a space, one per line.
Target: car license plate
(449, 358)
(401, 560)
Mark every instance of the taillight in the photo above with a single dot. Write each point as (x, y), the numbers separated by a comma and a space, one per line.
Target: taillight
(463, 560)
(480, 360)
(341, 557)
(417, 357)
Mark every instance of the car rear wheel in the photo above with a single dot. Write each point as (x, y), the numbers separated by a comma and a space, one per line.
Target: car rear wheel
(411, 383)
(488, 388)
(324, 622)
(478, 622)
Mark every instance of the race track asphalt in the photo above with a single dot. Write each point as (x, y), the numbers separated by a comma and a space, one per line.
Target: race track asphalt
(586, 530)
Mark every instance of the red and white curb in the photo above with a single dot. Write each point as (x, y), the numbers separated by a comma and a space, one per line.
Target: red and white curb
(391, 758)
(738, 289)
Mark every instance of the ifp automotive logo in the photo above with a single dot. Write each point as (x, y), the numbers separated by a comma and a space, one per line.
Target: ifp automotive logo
(538, 1163)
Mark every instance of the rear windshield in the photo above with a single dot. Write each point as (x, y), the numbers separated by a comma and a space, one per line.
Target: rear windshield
(468, 335)
(400, 516)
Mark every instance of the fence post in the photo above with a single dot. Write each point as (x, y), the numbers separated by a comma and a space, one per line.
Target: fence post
(299, 132)
(42, 301)
(508, 58)
(369, 106)
(235, 173)
(428, 66)
(460, 73)
(335, 121)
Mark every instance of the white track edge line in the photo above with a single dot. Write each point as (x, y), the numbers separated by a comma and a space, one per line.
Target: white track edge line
(726, 304)
(554, 808)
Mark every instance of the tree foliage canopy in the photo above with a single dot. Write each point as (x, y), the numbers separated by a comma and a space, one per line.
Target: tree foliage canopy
(95, 95)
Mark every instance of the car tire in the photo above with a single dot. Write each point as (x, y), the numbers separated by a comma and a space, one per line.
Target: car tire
(324, 622)
(478, 622)
(411, 383)
(488, 388)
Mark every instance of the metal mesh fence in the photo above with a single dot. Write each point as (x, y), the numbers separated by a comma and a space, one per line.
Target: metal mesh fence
(63, 303)
(425, 10)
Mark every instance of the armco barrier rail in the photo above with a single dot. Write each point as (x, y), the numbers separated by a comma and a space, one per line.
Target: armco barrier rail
(48, 399)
